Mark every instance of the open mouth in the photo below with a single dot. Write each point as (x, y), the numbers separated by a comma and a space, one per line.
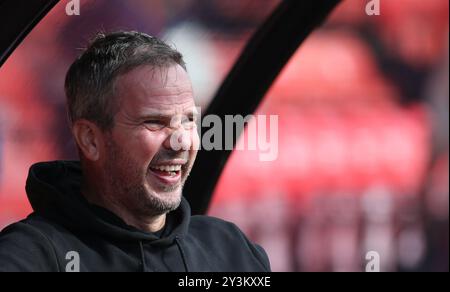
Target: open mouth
(167, 174)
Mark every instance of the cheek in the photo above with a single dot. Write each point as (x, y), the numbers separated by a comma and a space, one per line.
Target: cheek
(195, 139)
(150, 143)
(143, 146)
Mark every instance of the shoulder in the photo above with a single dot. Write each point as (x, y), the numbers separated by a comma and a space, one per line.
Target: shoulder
(207, 226)
(24, 246)
(227, 236)
(212, 222)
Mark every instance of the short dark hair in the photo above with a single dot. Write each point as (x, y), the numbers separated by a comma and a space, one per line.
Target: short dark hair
(90, 80)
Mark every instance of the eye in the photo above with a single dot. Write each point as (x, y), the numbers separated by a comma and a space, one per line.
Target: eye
(153, 122)
(188, 122)
(154, 125)
(188, 119)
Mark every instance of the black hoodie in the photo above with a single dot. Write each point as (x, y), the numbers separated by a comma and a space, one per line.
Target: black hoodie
(66, 233)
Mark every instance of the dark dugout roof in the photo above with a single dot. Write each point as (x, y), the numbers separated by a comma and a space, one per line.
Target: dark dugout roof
(17, 19)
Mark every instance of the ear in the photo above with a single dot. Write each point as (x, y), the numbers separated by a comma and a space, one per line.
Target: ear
(89, 138)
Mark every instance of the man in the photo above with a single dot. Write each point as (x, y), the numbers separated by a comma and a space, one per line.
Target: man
(120, 208)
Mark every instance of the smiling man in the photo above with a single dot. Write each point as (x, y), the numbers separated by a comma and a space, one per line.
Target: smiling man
(120, 208)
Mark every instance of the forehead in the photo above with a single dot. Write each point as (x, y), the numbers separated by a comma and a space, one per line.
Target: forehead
(154, 89)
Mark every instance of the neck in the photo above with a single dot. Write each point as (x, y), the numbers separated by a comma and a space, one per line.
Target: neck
(100, 197)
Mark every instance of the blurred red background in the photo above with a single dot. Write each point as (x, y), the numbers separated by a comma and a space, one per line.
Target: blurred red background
(363, 125)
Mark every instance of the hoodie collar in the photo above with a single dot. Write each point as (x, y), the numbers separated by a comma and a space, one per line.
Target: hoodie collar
(53, 189)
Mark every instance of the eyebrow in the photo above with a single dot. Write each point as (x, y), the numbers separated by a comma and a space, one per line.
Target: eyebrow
(155, 115)
(159, 115)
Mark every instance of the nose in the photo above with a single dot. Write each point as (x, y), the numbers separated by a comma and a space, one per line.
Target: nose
(178, 140)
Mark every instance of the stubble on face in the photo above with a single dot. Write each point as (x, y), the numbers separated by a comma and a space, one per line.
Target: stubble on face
(132, 148)
(130, 186)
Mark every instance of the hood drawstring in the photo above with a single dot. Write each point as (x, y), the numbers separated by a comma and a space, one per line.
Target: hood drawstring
(144, 264)
(183, 255)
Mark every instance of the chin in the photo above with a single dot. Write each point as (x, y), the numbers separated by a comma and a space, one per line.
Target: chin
(167, 195)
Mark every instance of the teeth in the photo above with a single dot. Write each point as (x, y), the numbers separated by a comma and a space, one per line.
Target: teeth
(168, 168)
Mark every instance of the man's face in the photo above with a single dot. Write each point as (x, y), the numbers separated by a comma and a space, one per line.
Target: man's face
(144, 165)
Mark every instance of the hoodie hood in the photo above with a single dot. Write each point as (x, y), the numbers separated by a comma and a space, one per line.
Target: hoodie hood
(53, 189)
